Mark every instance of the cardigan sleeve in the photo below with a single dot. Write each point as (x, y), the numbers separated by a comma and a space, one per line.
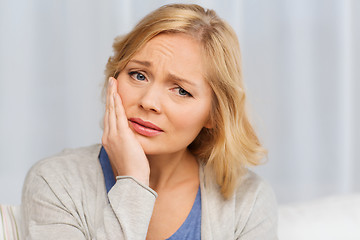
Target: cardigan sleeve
(51, 210)
(133, 210)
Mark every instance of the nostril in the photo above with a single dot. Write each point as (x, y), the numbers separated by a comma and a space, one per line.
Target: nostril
(150, 108)
(150, 100)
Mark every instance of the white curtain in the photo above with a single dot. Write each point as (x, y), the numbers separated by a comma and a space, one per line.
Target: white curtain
(301, 69)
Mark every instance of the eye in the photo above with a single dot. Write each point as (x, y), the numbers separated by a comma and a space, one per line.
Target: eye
(183, 92)
(137, 76)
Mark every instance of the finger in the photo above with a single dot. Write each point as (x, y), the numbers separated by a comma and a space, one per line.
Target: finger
(106, 123)
(122, 121)
(108, 90)
(106, 115)
(111, 109)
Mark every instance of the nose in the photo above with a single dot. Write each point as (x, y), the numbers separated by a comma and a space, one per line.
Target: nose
(150, 99)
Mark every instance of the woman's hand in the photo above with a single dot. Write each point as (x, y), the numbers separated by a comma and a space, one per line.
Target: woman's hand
(125, 152)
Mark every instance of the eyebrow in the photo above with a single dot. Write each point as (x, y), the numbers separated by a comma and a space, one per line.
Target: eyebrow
(144, 63)
(179, 79)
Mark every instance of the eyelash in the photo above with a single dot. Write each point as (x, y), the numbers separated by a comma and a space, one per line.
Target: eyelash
(132, 73)
(187, 94)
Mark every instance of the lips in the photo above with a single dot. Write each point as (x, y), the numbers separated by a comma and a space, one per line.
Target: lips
(145, 128)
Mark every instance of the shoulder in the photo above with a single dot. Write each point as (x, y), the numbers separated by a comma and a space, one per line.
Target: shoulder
(255, 206)
(251, 187)
(69, 169)
(72, 175)
(250, 212)
(64, 188)
(68, 161)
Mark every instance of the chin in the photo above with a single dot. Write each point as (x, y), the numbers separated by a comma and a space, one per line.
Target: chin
(150, 148)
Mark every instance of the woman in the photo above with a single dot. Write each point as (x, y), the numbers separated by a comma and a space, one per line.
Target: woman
(175, 145)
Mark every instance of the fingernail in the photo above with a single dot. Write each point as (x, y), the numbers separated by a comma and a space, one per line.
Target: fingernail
(111, 81)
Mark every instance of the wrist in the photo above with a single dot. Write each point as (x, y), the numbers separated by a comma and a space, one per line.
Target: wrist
(141, 178)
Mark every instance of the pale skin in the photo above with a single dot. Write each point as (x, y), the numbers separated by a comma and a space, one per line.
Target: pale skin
(162, 84)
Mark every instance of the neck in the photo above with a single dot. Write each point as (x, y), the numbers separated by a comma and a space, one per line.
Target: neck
(170, 170)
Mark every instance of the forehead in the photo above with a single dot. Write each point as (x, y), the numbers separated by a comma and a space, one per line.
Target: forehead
(177, 53)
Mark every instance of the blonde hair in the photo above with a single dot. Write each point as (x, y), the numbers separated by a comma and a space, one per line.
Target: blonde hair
(231, 144)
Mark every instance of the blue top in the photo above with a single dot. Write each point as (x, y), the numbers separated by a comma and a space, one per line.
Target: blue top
(190, 229)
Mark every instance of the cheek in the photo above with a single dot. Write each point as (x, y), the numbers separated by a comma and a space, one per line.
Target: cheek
(192, 119)
(125, 94)
(121, 91)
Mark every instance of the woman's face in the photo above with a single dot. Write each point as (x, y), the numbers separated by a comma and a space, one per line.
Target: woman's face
(165, 96)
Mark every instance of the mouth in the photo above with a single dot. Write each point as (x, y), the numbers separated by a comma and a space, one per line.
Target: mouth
(145, 128)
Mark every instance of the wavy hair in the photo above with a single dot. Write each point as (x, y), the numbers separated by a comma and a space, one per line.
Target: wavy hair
(231, 144)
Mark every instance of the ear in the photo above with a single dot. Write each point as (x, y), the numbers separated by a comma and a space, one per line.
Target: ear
(209, 124)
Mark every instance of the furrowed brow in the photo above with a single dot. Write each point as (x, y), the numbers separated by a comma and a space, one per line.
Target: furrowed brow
(179, 79)
(144, 63)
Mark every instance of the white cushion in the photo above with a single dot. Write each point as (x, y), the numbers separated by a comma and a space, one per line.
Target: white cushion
(330, 218)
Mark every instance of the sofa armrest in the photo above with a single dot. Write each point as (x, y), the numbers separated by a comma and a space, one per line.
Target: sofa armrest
(9, 222)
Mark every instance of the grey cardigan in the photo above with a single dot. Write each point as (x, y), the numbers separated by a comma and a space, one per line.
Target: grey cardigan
(64, 197)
